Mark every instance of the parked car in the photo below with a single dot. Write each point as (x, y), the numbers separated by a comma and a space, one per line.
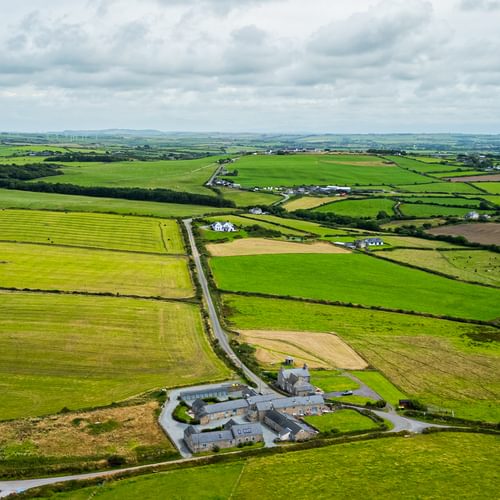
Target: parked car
(347, 393)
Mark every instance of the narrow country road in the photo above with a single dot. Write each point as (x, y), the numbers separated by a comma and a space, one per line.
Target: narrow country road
(219, 333)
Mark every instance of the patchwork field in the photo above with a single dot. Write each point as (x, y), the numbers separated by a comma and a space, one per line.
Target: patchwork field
(451, 464)
(99, 271)
(262, 246)
(112, 232)
(318, 350)
(439, 187)
(486, 233)
(445, 363)
(248, 198)
(320, 169)
(308, 202)
(422, 210)
(358, 279)
(10, 198)
(490, 187)
(448, 201)
(474, 265)
(477, 178)
(367, 208)
(242, 222)
(179, 175)
(423, 165)
(75, 351)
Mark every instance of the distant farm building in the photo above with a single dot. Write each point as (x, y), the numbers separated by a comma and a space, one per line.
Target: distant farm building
(223, 227)
(256, 211)
(472, 216)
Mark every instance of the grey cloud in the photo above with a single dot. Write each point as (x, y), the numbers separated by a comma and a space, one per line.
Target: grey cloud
(480, 4)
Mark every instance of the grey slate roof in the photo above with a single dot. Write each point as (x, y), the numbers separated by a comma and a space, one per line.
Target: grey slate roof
(260, 398)
(298, 401)
(246, 430)
(224, 406)
(298, 372)
(286, 422)
(211, 437)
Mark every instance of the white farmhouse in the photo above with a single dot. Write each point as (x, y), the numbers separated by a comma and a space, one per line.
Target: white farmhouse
(472, 216)
(223, 227)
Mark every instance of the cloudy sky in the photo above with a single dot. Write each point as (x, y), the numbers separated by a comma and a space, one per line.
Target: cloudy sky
(251, 65)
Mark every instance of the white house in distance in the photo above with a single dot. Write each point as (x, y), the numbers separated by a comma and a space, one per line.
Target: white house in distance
(472, 216)
(256, 211)
(223, 227)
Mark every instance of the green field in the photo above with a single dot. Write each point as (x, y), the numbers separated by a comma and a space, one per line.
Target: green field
(490, 187)
(341, 421)
(423, 166)
(376, 381)
(97, 271)
(446, 363)
(421, 210)
(453, 465)
(449, 201)
(439, 187)
(242, 222)
(10, 198)
(179, 175)
(332, 381)
(248, 198)
(310, 169)
(462, 173)
(355, 278)
(367, 208)
(77, 351)
(112, 232)
(469, 265)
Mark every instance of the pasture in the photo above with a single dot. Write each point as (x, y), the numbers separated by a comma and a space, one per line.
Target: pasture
(439, 187)
(320, 169)
(178, 175)
(10, 198)
(365, 208)
(262, 246)
(468, 265)
(451, 463)
(446, 363)
(318, 350)
(75, 351)
(422, 210)
(113, 232)
(376, 381)
(486, 233)
(96, 271)
(332, 381)
(358, 279)
(341, 421)
(422, 166)
(248, 198)
(447, 201)
(489, 187)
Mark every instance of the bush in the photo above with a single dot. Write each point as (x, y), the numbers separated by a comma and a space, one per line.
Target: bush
(116, 460)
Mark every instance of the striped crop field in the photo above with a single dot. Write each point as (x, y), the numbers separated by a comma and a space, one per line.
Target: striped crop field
(93, 271)
(113, 232)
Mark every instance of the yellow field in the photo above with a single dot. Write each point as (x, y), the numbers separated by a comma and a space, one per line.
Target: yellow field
(308, 202)
(262, 246)
(318, 350)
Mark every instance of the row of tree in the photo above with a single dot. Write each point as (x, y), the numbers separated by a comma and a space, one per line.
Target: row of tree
(28, 171)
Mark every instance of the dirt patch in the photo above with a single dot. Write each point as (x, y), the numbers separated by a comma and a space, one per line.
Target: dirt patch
(319, 350)
(310, 202)
(487, 233)
(261, 246)
(475, 178)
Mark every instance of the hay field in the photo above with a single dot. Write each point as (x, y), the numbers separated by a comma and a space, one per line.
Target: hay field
(307, 202)
(77, 352)
(262, 246)
(97, 271)
(486, 233)
(113, 232)
(319, 350)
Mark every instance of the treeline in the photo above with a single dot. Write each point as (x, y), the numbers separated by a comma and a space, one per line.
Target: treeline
(138, 194)
(374, 151)
(337, 220)
(28, 171)
(86, 157)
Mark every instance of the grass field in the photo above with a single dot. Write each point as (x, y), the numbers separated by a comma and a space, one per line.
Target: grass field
(77, 351)
(332, 381)
(450, 201)
(376, 381)
(439, 187)
(490, 187)
(112, 232)
(248, 198)
(341, 421)
(367, 208)
(263, 246)
(468, 265)
(73, 269)
(179, 175)
(311, 169)
(242, 222)
(453, 465)
(358, 279)
(445, 363)
(416, 222)
(10, 198)
(422, 210)
(307, 202)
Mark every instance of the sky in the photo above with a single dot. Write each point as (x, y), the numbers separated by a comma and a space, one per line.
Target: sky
(291, 66)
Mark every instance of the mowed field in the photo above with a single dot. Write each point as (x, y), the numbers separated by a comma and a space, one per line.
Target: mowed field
(38, 267)
(446, 363)
(368, 208)
(179, 175)
(358, 279)
(262, 246)
(318, 350)
(454, 465)
(469, 265)
(308, 202)
(75, 351)
(486, 233)
(320, 169)
(490, 187)
(10, 198)
(112, 232)
(422, 210)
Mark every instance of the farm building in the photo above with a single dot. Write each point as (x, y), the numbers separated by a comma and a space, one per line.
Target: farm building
(222, 392)
(288, 428)
(230, 436)
(295, 381)
(256, 211)
(223, 227)
(295, 406)
(472, 216)
(207, 412)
